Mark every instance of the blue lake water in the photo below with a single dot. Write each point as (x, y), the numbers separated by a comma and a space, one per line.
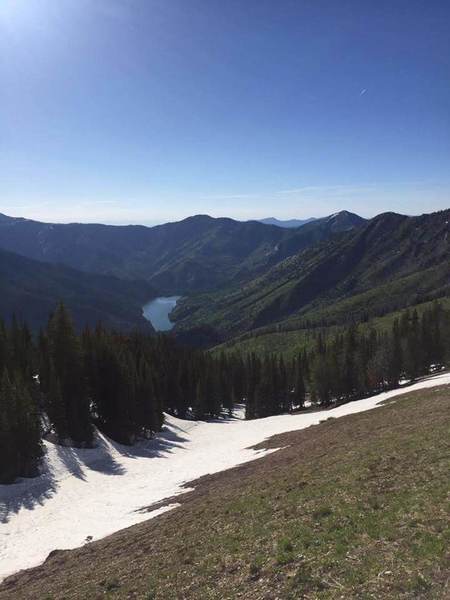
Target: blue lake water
(158, 310)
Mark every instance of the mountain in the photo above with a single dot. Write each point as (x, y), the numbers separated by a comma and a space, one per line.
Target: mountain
(31, 289)
(288, 224)
(387, 263)
(340, 221)
(196, 254)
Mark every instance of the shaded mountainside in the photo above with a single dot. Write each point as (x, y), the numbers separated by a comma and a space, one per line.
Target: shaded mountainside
(196, 254)
(31, 289)
(354, 507)
(390, 262)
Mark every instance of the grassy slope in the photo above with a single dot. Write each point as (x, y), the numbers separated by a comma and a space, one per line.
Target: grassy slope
(351, 508)
(290, 342)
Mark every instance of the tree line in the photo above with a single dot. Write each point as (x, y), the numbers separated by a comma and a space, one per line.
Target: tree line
(63, 385)
(353, 364)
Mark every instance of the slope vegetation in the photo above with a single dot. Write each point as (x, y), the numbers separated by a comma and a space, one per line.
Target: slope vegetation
(390, 262)
(351, 508)
(31, 289)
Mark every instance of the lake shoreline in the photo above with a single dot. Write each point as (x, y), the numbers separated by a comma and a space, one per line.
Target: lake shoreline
(158, 311)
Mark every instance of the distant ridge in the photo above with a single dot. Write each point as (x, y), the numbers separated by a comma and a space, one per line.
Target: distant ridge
(287, 224)
(200, 253)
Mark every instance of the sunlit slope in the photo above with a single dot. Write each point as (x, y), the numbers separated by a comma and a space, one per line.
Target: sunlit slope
(391, 262)
(354, 507)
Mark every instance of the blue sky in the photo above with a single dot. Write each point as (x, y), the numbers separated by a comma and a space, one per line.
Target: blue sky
(143, 111)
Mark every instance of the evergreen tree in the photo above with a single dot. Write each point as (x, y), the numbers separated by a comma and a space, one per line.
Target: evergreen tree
(299, 385)
(65, 354)
(413, 349)
(9, 451)
(396, 355)
(20, 433)
(28, 431)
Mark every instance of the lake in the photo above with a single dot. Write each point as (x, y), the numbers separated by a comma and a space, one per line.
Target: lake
(158, 310)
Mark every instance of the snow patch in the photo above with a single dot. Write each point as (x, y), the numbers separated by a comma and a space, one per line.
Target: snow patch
(86, 494)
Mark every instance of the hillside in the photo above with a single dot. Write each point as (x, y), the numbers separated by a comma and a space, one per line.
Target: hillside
(353, 507)
(390, 262)
(291, 337)
(196, 254)
(31, 290)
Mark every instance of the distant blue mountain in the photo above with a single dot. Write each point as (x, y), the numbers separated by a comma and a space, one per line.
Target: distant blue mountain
(289, 224)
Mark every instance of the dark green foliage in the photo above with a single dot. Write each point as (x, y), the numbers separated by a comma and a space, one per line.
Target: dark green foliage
(119, 382)
(353, 365)
(68, 386)
(123, 382)
(20, 431)
(299, 389)
(350, 365)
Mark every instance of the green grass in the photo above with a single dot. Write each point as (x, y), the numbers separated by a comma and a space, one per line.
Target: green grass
(355, 507)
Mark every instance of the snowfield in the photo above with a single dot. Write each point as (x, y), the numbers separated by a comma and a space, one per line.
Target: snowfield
(88, 494)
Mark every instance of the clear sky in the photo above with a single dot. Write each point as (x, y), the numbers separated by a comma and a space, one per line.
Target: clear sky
(151, 110)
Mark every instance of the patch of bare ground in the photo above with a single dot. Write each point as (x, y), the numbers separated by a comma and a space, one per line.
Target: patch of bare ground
(355, 507)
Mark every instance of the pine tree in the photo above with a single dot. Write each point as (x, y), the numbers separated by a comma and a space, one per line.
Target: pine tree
(9, 451)
(201, 397)
(396, 355)
(20, 434)
(65, 353)
(413, 350)
(299, 385)
(28, 431)
(55, 406)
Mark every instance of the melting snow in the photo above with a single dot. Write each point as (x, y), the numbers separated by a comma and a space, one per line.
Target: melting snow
(88, 494)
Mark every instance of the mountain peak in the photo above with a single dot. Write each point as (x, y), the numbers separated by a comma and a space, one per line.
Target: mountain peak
(344, 220)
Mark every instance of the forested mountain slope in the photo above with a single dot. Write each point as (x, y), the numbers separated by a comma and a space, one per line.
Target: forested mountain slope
(196, 254)
(31, 289)
(390, 262)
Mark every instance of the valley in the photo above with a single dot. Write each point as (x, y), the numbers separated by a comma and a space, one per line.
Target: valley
(224, 300)
(243, 280)
(252, 295)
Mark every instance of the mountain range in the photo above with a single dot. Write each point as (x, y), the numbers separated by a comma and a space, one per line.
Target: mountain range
(387, 263)
(234, 276)
(199, 253)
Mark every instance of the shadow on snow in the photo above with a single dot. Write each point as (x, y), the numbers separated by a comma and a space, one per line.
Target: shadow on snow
(30, 493)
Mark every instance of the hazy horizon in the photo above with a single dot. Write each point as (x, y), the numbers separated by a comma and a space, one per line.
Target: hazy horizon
(218, 216)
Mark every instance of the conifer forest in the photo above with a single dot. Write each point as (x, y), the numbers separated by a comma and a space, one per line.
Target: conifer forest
(61, 385)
